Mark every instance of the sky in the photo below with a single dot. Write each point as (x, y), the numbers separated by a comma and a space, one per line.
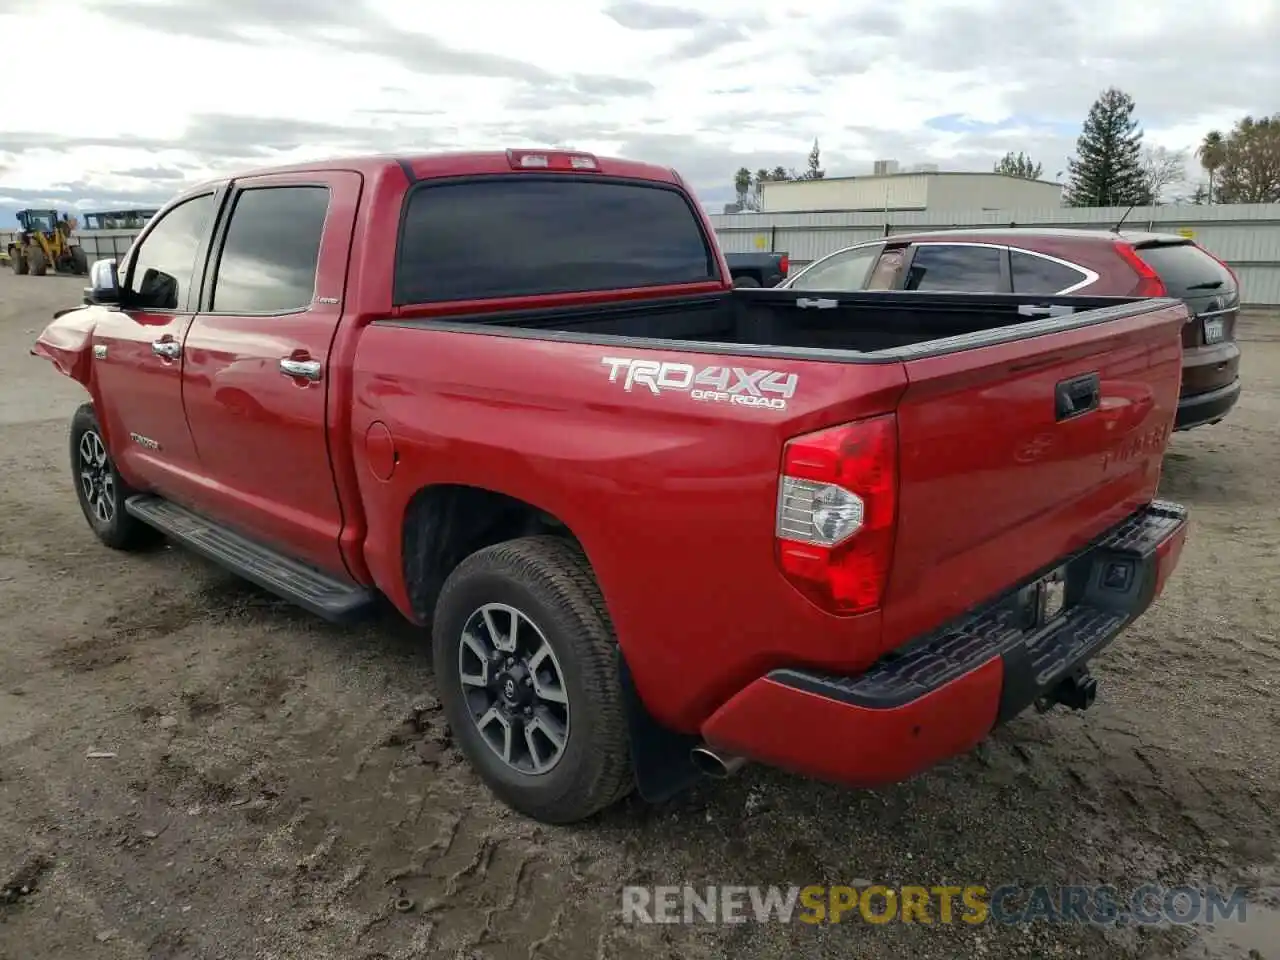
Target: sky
(165, 94)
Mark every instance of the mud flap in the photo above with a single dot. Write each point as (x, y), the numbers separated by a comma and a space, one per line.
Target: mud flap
(660, 757)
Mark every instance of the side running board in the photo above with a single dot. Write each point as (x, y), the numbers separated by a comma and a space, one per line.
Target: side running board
(321, 594)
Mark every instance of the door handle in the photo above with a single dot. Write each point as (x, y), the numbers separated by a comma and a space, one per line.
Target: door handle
(305, 369)
(1077, 396)
(169, 349)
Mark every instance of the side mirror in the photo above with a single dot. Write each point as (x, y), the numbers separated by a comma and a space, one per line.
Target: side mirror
(104, 284)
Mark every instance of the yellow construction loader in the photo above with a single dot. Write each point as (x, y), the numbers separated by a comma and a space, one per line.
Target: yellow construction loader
(44, 242)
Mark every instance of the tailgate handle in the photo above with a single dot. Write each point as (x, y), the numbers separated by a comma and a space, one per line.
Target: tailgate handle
(1052, 310)
(1077, 396)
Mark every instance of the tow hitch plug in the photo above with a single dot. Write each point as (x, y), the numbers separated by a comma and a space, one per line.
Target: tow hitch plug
(1077, 691)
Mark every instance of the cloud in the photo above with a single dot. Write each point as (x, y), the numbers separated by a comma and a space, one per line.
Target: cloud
(230, 19)
(959, 123)
(637, 15)
(708, 34)
(705, 86)
(709, 39)
(875, 21)
(1054, 57)
(583, 90)
(153, 174)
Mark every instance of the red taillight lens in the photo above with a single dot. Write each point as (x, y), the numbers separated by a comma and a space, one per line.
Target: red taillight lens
(784, 264)
(836, 510)
(1149, 282)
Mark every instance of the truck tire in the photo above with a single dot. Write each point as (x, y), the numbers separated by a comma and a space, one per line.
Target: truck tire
(18, 260)
(79, 262)
(37, 263)
(100, 489)
(745, 282)
(540, 717)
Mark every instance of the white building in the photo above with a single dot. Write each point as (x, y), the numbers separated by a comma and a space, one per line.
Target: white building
(919, 190)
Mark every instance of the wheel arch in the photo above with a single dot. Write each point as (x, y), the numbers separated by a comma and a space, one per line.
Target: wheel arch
(444, 523)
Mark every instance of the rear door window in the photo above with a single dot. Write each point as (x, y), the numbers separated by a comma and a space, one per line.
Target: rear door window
(1188, 271)
(846, 270)
(1035, 274)
(953, 268)
(268, 261)
(523, 235)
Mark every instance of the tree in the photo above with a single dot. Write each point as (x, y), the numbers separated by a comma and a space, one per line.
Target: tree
(815, 171)
(761, 177)
(742, 187)
(1250, 170)
(1018, 165)
(1211, 152)
(780, 173)
(1162, 169)
(1107, 170)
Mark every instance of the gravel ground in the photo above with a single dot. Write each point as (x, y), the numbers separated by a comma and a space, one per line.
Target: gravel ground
(275, 785)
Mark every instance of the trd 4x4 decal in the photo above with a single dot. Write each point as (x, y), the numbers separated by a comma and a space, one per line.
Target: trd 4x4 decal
(749, 388)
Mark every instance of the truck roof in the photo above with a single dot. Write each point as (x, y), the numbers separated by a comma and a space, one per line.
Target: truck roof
(459, 163)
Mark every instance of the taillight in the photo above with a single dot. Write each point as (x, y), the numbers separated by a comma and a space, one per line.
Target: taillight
(784, 264)
(550, 160)
(1149, 282)
(835, 521)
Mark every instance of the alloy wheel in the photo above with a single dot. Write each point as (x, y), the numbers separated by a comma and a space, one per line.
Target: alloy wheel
(514, 688)
(97, 479)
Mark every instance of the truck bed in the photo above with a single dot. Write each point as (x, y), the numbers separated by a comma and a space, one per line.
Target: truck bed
(877, 326)
(1020, 437)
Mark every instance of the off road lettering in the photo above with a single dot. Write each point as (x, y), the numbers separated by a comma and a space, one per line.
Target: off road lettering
(770, 389)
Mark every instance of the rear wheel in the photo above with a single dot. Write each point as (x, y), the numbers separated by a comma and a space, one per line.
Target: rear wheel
(100, 489)
(79, 262)
(746, 282)
(37, 263)
(526, 666)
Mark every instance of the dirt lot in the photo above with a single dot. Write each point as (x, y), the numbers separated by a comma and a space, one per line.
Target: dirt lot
(274, 785)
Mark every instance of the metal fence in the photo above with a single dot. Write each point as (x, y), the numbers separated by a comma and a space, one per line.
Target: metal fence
(1247, 236)
(97, 244)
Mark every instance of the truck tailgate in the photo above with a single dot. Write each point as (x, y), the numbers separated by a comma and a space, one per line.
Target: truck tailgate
(1013, 454)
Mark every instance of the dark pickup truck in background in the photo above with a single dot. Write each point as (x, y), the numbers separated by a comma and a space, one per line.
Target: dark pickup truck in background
(757, 269)
(656, 525)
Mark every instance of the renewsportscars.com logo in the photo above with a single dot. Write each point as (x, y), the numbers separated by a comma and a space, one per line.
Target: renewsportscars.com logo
(748, 388)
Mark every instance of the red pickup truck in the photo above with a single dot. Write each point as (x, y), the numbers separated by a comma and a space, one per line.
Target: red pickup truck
(655, 524)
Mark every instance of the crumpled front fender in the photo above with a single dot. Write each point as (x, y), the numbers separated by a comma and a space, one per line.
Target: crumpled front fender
(67, 343)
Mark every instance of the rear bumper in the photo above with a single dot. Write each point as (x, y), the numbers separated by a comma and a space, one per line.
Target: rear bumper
(942, 694)
(1203, 408)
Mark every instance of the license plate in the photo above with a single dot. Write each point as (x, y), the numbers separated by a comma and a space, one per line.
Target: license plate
(1051, 596)
(1214, 329)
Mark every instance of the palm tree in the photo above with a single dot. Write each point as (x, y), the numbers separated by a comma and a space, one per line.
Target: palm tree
(742, 187)
(762, 176)
(1212, 153)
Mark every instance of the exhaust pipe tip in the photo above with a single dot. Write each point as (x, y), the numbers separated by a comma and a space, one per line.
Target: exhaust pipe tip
(715, 765)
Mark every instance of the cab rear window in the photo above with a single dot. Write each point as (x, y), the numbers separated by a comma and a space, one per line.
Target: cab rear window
(1187, 270)
(527, 235)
